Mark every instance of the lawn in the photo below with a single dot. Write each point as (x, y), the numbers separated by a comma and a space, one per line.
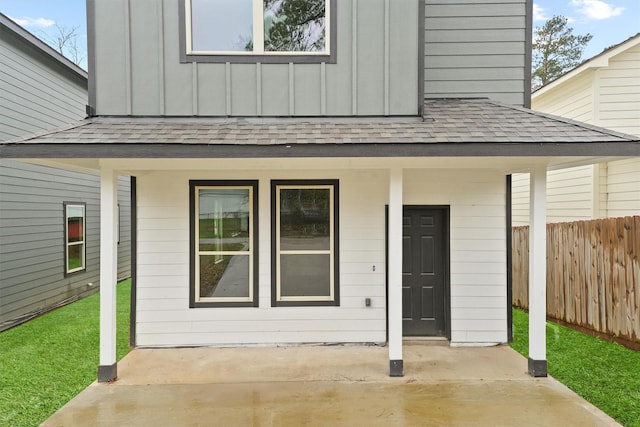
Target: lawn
(48, 360)
(604, 373)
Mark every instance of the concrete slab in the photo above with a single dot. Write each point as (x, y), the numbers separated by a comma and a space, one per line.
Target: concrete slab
(327, 385)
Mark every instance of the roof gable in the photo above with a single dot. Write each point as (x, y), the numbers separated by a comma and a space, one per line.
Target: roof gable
(599, 61)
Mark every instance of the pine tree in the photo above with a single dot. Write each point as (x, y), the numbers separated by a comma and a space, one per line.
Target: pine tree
(555, 50)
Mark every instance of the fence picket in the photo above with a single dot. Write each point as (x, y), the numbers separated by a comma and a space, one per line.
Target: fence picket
(593, 274)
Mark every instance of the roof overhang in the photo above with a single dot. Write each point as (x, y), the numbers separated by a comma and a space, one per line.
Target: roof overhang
(450, 128)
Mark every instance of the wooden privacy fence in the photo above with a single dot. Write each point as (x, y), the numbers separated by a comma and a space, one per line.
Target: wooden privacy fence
(593, 274)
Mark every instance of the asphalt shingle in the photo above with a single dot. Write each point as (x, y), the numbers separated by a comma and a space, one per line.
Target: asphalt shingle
(444, 121)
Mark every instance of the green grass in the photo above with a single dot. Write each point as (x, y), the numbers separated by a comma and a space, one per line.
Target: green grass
(604, 373)
(48, 360)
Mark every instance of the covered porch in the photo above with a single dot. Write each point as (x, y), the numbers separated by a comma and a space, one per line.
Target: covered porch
(327, 385)
(464, 148)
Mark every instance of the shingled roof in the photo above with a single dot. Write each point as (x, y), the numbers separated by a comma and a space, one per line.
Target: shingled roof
(446, 122)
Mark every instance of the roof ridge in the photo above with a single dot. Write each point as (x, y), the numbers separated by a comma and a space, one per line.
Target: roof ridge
(568, 121)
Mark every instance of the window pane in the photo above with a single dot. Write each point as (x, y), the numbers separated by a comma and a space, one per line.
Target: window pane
(222, 25)
(75, 223)
(223, 219)
(305, 275)
(305, 222)
(74, 256)
(224, 276)
(294, 25)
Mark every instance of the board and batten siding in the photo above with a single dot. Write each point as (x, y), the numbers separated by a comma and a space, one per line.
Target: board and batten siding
(607, 96)
(139, 71)
(476, 48)
(478, 261)
(32, 263)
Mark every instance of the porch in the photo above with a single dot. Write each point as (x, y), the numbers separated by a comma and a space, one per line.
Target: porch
(327, 385)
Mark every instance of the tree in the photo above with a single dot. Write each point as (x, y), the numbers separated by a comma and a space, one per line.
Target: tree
(294, 25)
(65, 41)
(555, 50)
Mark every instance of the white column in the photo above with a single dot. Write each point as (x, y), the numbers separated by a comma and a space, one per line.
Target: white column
(395, 273)
(538, 272)
(107, 371)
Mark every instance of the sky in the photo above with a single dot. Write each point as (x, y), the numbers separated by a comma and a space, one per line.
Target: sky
(609, 21)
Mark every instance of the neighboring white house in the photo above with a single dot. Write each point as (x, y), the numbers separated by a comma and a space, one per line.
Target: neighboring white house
(603, 91)
(44, 262)
(341, 187)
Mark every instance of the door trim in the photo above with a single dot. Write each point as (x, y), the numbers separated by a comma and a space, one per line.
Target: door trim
(446, 259)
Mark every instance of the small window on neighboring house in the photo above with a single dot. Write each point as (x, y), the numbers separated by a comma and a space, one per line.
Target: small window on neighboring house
(268, 28)
(75, 235)
(224, 261)
(305, 242)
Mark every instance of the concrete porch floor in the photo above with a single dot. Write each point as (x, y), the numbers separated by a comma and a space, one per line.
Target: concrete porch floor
(327, 385)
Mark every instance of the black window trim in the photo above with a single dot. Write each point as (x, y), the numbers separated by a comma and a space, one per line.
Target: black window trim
(193, 240)
(65, 237)
(250, 58)
(336, 247)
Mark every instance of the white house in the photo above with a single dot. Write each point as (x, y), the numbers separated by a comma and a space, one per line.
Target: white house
(348, 186)
(602, 91)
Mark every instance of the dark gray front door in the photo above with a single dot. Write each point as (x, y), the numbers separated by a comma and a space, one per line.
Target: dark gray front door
(423, 271)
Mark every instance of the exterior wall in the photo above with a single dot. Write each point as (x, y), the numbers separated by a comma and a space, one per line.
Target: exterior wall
(608, 96)
(618, 87)
(477, 247)
(571, 195)
(32, 252)
(476, 48)
(478, 261)
(139, 70)
(39, 93)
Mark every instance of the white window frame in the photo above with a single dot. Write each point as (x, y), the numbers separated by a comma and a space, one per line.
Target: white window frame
(331, 251)
(82, 243)
(197, 252)
(258, 35)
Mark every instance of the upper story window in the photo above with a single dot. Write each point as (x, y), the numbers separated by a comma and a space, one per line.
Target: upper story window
(258, 30)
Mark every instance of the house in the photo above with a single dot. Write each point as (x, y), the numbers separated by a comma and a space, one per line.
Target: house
(602, 91)
(338, 178)
(40, 268)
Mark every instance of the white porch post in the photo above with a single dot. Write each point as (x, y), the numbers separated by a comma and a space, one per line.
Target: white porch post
(395, 273)
(538, 272)
(107, 371)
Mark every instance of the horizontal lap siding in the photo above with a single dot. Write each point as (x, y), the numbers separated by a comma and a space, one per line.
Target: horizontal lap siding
(477, 247)
(37, 93)
(163, 272)
(623, 188)
(478, 261)
(32, 234)
(607, 96)
(475, 49)
(376, 72)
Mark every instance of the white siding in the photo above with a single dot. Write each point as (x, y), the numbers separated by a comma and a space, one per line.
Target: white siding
(607, 96)
(477, 247)
(478, 268)
(623, 188)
